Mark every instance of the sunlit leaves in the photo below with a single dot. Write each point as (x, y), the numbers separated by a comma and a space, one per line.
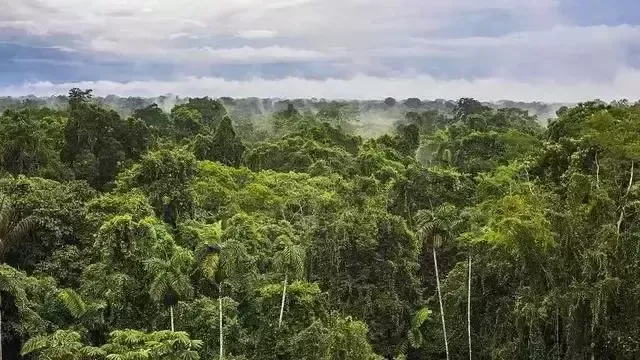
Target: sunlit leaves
(61, 345)
(160, 345)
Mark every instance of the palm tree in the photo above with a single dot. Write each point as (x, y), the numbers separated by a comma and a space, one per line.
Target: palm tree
(435, 226)
(289, 261)
(170, 279)
(209, 264)
(469, 304)
(224, 263)
(12, 231)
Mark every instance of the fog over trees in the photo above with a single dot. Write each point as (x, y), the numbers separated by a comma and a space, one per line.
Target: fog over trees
(202, 228)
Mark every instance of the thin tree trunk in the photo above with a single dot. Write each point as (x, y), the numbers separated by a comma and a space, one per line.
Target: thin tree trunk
(444, 328)
(284, 296)
(557, 334)
(219, 320)
(171, 311)
(469, 307)
(625, 201)
(630, 180)
(593, 325)
(597, 171)
(0, 326)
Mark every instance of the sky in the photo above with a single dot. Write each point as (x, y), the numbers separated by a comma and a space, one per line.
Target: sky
(528, 50)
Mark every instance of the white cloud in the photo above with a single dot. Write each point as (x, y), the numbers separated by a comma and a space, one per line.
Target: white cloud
(63, 49)
(287, 4)
(348, 23)
(624, 85)
(48, 61)
(358, 36)
(259, 55)
(559, 38)
(257, 34)
(207, 54)
(559, 51)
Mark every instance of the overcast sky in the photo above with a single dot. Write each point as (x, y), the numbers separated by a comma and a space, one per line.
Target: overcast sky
(549, 50)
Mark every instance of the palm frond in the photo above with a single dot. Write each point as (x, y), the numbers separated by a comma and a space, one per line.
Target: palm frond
(12, 235)
(156, 266)
(93, 352)
(182, 259)
(159, 286)
(415, 337)
(73, 302)
(34, 344)
(209, 266)
(181, 284)
(291, 260)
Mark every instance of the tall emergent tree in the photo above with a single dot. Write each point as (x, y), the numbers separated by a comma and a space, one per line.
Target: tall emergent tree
(170, 279)
(290, 262)
(436, 226)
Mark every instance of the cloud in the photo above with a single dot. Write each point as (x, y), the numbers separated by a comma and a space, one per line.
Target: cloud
(348, 22)
(558, 38)
(258, 55)
(596, 52)
(63, 48)
(207, 54)
(287, 4)
(40, 61)
(257, 34)
(624, 85)
(517, 41)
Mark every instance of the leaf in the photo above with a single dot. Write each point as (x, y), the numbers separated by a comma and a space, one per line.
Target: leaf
(416, 339)
(34, 344)
(73, 302)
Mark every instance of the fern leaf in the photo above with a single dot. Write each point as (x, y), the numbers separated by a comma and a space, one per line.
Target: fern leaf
(73, 302)
(34, 344)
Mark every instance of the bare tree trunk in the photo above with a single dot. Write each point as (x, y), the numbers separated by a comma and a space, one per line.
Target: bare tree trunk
(630, 179)
(171, 311)
(0, 326)
(597, 171)
(284, 296)
(444, 328)
(625, 201)
(469, 306)
(593, 325)
(220, 322)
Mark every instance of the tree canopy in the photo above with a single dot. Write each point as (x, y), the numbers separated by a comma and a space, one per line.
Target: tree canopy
(253, 229)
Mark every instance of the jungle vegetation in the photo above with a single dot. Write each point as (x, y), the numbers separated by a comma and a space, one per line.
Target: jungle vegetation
(466, 232)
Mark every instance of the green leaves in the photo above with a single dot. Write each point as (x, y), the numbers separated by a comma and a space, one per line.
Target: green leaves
(518, 222)
(13, 282)
(160, 345)
(223, 146)
(61, 345)
(12, 229)
(73, 302)
(170, 277)
(416, 339)
(290, 260)
(335, 231)
(436, 226)
(30, 142)
(122, 345)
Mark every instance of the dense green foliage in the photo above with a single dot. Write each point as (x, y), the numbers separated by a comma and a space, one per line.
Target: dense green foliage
(204, 233)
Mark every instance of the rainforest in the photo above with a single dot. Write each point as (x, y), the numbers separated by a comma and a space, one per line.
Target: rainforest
(221, 228)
